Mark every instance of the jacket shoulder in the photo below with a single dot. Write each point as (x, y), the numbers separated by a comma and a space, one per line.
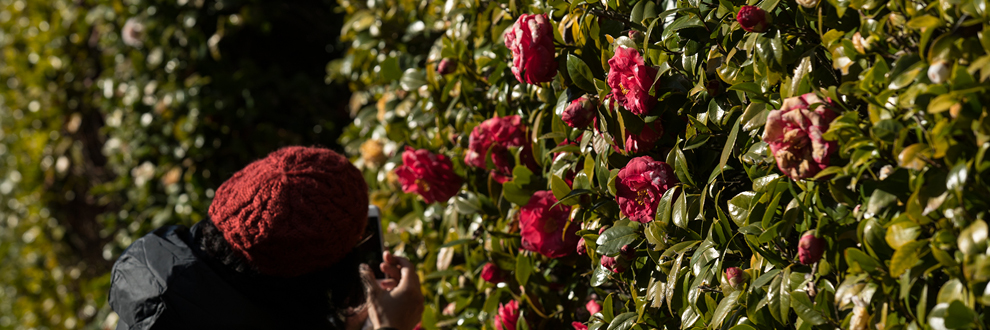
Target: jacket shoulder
(140, 276)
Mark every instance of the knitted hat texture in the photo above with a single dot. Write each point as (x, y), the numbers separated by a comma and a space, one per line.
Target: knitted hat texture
(296, 211)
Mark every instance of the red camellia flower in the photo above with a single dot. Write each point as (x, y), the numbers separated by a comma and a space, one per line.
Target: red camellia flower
(542, 228)
(593, 307)
(753, 19)
(640, 186)
(631, 79)
(428, 174)
(508, 315)
(735, 277)
(794, 134)
(497, 135)
(492, 274)
(579, 113)
(531, 41)
(579, 326)
(810, 248)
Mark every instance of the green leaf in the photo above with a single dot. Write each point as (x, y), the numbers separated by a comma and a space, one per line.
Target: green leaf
(680, 212)
(959, 316)
(957, 177)
(724, 307)
(599, 276)
(906, 257)
(805, 308)
(524, 267)
(749, 87)
(623, 321)
(729, 144)
(614, 238)
(739, 207)
(580, 73)
(457, 242)
(559, 188)
(924, 21)
(666, 205)
(607, 307)
(859, 261)
(879, 200)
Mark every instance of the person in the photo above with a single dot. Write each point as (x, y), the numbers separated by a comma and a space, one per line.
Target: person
(273, 253)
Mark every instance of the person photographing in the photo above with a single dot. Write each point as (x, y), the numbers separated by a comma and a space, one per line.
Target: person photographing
(274, 253)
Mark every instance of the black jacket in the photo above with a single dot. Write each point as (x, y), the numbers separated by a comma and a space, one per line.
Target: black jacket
(165, 281)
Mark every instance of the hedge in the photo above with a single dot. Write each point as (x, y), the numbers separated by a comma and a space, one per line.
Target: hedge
(679, 164)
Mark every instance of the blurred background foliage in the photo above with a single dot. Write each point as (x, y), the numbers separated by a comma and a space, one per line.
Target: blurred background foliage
(119, 116)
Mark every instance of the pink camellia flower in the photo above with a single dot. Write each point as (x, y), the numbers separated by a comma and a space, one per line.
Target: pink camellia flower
(593, 307)
(631, 80)
(492, 274)
(508, 315)
(735, 277)
(579, 326)
(794, 134)
(427, 174)
(753, 19)
(446, 66)
(810, 248)
(640, 186)
(133, 32)
(496, 135)
(542, 228)
(579, 113)
(531, 41)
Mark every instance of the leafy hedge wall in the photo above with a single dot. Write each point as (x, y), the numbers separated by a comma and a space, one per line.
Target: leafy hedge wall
(761, 165)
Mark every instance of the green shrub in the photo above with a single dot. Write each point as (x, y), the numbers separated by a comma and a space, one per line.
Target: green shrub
(104, 139)
(880, 156)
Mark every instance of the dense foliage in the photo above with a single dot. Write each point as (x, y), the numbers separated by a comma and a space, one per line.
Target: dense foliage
(120, 116)
(681, 164)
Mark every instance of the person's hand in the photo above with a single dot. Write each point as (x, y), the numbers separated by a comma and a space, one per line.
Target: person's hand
(396, 302)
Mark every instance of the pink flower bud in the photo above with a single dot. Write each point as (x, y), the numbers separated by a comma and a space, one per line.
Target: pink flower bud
(593, 307)
(581, 249)
(446, 66)
(627, 252)
(736, 277)
(579, 113)
(492, 274)
(616, 265)
(810, 248)
(753, 19)
(579, 326)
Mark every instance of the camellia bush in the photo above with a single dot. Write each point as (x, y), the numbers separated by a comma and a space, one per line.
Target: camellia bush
(679, 164)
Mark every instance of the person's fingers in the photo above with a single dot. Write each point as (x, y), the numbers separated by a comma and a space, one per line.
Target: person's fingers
(390, 270)
(389, 258)
(371, 287)
(409, 280)
(388, 284)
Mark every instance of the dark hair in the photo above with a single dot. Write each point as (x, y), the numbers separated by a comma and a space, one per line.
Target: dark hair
(311, 298)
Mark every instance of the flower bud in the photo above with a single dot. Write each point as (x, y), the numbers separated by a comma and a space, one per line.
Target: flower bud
(808, 3)
(938, 72)
(736, 277)
(636, 36)
(627, 252)
(492, 274)
(616, 265)
(753, 19)
(593, 307)
(810, 248)
(446, 66)
(579, 113)
(581, 249)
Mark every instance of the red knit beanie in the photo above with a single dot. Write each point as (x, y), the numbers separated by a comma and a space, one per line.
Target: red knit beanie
(294, 212)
